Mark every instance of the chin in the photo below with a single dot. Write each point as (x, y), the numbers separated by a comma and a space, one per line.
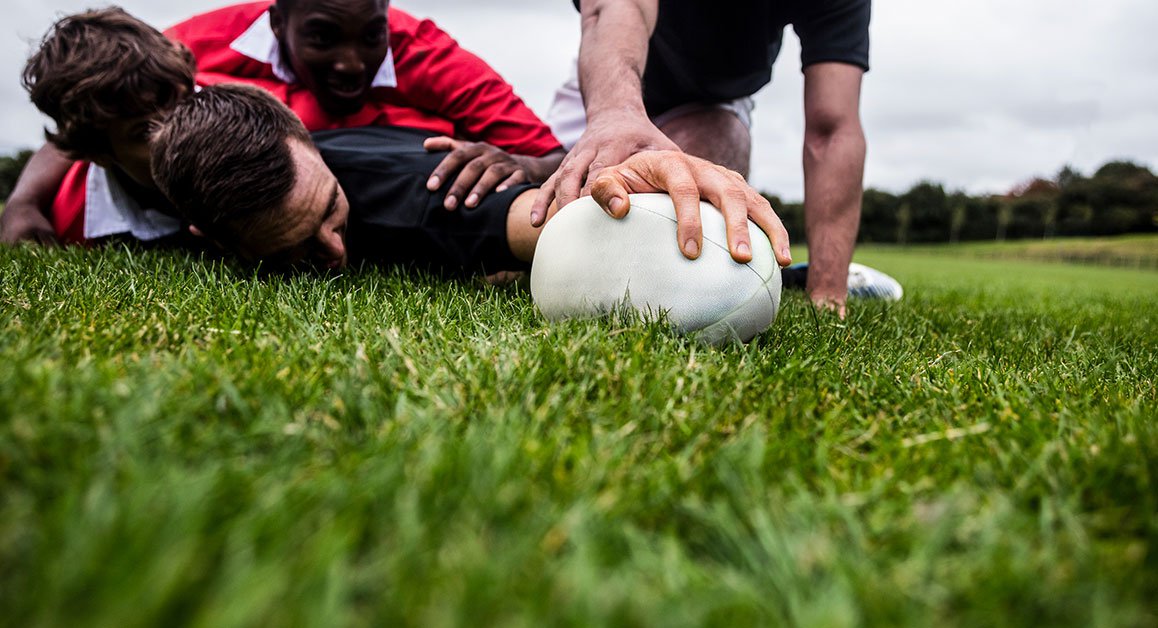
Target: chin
(342, 106)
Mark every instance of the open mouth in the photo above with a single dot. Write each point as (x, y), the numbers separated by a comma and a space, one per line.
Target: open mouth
(347, 90)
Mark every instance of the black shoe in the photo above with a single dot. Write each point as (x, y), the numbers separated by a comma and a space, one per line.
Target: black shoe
(795, 277)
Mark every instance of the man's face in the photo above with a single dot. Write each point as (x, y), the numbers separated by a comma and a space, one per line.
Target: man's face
(129, 146)
(310, 225)
(335, 48)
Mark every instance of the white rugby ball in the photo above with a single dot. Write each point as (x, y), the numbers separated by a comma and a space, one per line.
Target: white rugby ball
(588, 264)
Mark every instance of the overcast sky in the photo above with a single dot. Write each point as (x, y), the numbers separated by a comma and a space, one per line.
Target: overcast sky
(976, 95)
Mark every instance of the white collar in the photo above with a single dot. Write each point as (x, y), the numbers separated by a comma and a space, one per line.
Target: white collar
(109, 210)
(258, 43)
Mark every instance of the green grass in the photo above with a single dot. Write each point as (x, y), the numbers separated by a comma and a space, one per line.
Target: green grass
(184, 444)
(1132, 251)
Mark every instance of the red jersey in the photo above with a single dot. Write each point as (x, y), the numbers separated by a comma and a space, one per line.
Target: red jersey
(433, 84)
(68, 205)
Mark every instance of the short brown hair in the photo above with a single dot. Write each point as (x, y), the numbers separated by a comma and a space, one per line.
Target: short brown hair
(222, 157)
(97, 67)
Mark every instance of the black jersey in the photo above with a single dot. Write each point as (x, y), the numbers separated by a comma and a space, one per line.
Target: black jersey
(395, 220)
(718, 51)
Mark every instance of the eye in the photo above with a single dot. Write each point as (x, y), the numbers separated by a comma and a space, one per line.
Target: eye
(320, 37)
(374, 36)
(139, 133)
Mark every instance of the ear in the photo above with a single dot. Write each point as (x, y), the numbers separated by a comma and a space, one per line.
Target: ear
(197, 233)
(277, 22)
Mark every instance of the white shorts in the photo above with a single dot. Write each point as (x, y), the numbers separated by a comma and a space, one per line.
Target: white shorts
(568, 118)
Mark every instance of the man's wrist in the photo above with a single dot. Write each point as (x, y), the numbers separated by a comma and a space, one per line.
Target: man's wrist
(628, 107)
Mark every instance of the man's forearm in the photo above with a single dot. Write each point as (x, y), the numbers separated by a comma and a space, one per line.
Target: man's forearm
(27, 215)
(613, 53)
(833, 179)
(834, 152)
(521, 236)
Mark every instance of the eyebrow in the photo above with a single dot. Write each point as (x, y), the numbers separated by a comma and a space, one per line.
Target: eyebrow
(332, 206)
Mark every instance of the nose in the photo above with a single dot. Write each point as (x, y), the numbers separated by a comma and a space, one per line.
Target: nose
(347, 61)
(331, 246)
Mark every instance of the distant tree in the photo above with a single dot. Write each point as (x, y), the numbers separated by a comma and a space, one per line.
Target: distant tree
(878, 217)
(1066, 177)
(1123, 171)
(1033, 209)
(929, 215)
(958, 217)
(791, 214)
(1120, 197)
(1004, 217)
(904, 221)
(10, 168)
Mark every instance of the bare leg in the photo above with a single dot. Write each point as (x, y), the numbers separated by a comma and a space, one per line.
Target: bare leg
(713, 134)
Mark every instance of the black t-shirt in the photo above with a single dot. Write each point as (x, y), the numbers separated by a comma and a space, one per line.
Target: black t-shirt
(708, 52)
(395, 220)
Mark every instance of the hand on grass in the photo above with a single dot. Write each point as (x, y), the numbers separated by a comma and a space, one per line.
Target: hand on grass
(23, 223)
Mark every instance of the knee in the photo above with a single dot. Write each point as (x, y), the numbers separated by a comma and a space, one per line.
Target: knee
(713, 134)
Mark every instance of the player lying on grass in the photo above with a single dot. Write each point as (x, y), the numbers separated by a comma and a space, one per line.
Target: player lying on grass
(102, 76)
(270, 194)
(336, 63)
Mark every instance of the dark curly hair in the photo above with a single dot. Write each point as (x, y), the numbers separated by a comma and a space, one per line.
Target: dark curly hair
(97, 67)
(222, 156)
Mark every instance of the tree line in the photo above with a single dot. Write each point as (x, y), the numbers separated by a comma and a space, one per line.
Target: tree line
(1119, 197)
(10, 167)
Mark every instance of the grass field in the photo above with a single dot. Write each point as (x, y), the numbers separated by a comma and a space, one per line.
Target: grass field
(1131, 251)
(184, 444)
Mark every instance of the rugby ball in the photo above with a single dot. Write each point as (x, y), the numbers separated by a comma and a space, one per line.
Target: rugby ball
(588, 264)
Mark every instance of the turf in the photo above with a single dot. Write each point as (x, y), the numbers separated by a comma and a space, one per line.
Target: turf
(1131, 251)
(182, 443)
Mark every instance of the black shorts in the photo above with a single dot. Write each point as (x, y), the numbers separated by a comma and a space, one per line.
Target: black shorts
(395, 220)
(712, 52)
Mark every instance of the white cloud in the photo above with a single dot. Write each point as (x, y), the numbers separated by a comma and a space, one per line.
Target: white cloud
(977, 95)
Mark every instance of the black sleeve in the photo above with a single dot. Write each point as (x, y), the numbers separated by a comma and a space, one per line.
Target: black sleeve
(395, 220)
(835, 30)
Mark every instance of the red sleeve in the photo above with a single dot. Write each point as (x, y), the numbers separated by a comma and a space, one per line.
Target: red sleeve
(435, 74)
(68, 206)
(209, 36)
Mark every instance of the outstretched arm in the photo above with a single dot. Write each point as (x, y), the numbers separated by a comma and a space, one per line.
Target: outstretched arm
(834, 155)
(26, 215)
(612, 57)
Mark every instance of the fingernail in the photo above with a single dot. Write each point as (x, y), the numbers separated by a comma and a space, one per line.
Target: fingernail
(535, 217)
(432, 183)
(743, 249)
(472, 200)
(616, 204)
(451, 202)
(501, 188)
(786, 253)
(692, 247)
